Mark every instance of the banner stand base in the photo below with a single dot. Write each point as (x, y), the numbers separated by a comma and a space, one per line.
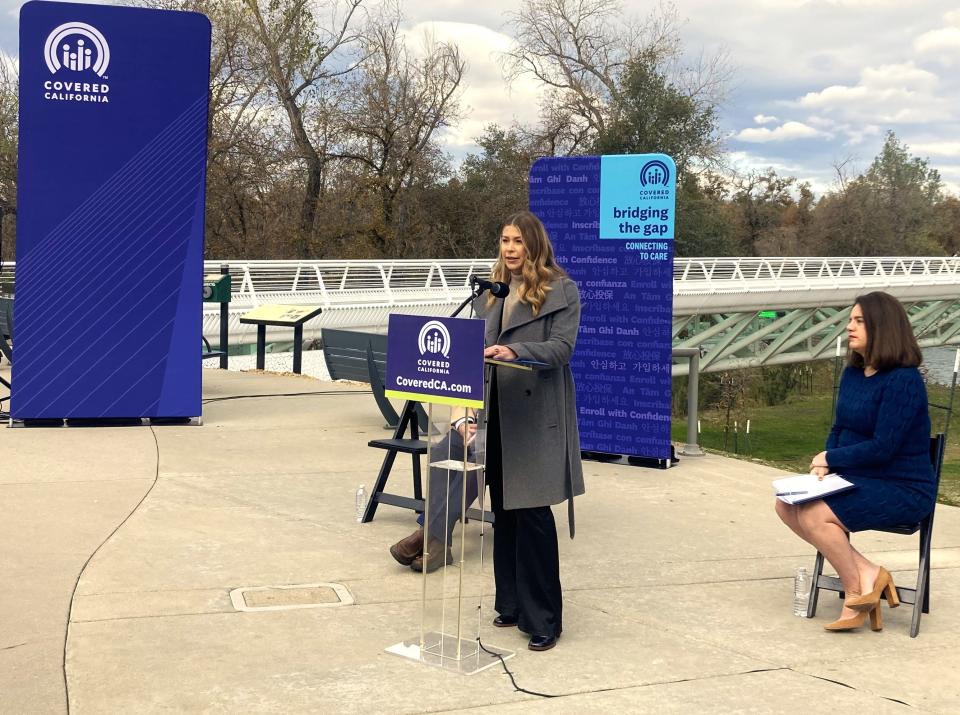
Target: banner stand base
(105, 422)
(440, 651)
(632, 460)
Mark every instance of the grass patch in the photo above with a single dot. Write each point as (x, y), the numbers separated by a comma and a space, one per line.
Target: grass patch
(788, 435)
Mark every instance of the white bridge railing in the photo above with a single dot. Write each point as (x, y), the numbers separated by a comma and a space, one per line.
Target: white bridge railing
(712, 285)
(715, 299)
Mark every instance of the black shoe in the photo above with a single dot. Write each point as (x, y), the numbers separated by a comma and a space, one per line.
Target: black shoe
(505, 621)
(542, 642)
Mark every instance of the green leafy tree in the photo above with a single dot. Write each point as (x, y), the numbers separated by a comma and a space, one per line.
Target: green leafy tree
(891, 209)
(649, 114)
(771, 214)
(490, 184)
(704, 226)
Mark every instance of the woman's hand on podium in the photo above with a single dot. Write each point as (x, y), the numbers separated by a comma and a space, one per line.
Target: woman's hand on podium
(499, 352)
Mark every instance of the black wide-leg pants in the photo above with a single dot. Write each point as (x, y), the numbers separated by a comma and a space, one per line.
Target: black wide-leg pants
(526, 559)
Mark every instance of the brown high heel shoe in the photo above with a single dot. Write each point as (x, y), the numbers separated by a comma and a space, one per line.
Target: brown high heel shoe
(849, 624)
(867, 601)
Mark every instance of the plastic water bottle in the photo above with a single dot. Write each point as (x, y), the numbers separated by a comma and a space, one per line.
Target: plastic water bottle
(801, 592)
(361, 502)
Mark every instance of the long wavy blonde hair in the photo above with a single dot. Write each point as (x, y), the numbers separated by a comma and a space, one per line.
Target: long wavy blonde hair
(539, 264)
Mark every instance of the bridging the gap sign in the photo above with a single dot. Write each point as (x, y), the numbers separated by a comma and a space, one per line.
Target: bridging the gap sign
(110, 211)
(611, 219)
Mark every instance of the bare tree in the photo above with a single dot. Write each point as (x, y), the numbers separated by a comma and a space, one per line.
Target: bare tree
(580, 50)
(9, 109)
(398, 101)
(303, 60)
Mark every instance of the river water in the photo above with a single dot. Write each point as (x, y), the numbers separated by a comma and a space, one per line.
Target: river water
(939, 362)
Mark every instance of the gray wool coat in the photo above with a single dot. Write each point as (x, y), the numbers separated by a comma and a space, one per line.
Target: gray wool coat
(537, 409)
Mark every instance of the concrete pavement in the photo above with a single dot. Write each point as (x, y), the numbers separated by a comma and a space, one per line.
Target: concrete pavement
(121, 547)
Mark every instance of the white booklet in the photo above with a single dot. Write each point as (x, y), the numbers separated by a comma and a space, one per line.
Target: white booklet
(801, 488)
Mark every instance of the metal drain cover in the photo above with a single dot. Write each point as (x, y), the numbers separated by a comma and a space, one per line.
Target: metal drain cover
(283, 598)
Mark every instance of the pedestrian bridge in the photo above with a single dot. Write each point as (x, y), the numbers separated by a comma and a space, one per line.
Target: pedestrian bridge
(741, 312)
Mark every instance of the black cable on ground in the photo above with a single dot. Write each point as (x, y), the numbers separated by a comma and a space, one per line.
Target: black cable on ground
(73, 593)
(513, 680)
(288, 394)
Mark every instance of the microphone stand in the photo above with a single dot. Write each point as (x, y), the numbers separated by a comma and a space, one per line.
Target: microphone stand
(475, 292)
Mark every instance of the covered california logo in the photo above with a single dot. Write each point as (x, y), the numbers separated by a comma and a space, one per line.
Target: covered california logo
(434, 344)
(74, 50)
(434, 338)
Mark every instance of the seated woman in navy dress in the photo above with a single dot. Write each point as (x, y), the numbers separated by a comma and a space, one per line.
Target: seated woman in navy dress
(880, 441)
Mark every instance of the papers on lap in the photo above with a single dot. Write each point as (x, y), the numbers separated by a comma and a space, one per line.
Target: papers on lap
(802, 488)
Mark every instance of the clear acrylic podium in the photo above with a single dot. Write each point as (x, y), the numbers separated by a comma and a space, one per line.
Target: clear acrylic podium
(456, 597)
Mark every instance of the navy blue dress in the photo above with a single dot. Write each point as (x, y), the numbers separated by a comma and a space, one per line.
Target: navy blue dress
(881, 442)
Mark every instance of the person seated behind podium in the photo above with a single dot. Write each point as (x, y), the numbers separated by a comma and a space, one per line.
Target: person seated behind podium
(880, 441)
(444, 514)
(533, 446)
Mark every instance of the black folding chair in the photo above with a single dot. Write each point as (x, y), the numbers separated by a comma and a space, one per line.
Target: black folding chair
(918, 597)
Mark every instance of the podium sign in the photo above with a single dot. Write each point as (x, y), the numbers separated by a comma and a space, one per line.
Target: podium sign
(436, 360)
(611, 219)
(110, 202)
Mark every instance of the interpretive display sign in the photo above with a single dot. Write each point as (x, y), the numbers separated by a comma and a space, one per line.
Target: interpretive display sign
(110, 202)
(611, 219)
(438, 360)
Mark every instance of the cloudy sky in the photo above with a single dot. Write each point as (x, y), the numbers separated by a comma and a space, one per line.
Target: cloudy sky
(816, 82)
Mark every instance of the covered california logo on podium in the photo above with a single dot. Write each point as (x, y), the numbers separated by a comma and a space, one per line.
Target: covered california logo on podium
(435, 360)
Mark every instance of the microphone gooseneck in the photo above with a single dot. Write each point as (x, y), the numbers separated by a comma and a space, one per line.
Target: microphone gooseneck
(496, 288)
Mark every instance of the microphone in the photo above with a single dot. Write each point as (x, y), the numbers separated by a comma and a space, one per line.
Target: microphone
(497, 289)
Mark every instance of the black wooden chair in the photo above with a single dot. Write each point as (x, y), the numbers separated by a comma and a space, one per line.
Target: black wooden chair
(918, 597)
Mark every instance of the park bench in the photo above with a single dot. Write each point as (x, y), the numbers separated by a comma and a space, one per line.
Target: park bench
(6, 334)
(362, 357)
(6, 328)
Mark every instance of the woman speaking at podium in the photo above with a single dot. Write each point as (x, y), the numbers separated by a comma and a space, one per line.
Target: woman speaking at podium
(533, 447)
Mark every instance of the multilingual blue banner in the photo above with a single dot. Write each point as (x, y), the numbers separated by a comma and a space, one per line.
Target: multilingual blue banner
(110, 211)
(611, 220)
(437, 360)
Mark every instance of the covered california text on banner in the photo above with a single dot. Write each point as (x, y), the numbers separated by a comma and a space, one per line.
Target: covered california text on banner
(110, 201)
(611, 219)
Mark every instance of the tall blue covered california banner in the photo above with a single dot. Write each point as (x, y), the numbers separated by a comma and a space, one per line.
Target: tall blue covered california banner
(110, 210)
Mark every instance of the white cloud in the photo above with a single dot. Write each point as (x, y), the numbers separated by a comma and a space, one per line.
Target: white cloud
(944, 44)
(742, 162)
(894, 93)
(945, 148)
(785, 132)
(777, 4)
(486, 99)
(764, 119)
(857, 134)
